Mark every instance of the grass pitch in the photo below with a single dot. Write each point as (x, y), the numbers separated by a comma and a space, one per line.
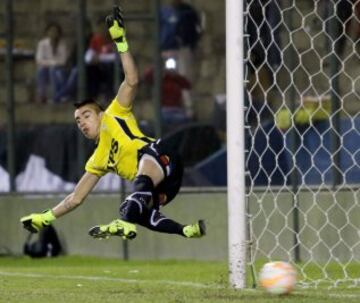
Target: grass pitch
(96, 280)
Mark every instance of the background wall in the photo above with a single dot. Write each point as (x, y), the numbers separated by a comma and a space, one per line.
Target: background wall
(271, 220)
(99, 209)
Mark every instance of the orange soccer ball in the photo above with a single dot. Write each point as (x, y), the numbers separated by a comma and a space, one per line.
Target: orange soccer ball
(278, 277)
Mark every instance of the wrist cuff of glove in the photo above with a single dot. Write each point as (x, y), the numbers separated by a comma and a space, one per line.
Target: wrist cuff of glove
(122, 47)
(48, 215)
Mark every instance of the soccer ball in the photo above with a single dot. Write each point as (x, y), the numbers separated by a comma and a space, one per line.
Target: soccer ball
(278, 277)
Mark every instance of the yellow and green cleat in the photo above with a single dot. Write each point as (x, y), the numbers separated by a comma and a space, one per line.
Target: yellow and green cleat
(117, 227)
(196, 230)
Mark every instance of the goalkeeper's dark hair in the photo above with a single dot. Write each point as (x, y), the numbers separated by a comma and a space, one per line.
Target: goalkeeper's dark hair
(98, 108)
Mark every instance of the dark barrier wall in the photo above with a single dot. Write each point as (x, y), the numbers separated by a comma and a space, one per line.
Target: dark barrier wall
(53, 150)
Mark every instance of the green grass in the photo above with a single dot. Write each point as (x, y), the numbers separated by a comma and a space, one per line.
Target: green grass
(90, 280)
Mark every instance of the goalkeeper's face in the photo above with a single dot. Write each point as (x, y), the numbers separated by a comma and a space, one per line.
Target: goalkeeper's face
(88, 120)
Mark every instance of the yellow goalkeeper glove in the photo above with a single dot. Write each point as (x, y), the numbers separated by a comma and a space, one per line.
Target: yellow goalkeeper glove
(35, 222)
(115, 24)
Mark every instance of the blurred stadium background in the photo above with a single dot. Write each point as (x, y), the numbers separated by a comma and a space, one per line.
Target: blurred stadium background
(47, 153)
(303, 170)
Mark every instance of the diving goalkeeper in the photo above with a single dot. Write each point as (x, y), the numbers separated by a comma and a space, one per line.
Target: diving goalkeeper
(123, 149)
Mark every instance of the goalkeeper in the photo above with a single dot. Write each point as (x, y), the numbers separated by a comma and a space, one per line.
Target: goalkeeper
(122, 148)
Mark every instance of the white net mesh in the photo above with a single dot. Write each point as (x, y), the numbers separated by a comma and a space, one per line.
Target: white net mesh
(303, 161)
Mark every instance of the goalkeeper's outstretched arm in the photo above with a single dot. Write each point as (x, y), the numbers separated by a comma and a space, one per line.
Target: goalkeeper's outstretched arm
(128, 87)
(77, 197)
(35, 222)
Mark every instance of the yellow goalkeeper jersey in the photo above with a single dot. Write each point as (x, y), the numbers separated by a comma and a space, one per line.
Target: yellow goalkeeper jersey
(119, 142)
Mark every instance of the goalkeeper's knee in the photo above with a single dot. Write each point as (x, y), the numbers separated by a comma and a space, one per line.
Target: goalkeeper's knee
(137, 204)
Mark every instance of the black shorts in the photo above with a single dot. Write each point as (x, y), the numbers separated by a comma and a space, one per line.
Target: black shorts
(173, 169)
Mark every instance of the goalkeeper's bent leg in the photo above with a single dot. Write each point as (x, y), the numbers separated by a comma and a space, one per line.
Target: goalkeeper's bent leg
(138, 208)
(151, 218)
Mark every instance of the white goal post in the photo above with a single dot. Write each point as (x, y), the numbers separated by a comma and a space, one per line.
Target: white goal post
(293, 129)
(235, 143)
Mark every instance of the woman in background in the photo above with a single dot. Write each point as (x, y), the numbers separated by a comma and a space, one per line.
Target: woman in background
(51, 56)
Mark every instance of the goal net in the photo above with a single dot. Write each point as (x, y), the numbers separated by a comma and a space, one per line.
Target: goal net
(303, 141)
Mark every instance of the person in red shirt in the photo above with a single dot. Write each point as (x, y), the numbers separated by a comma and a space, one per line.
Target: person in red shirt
(175, 97)
(101, 45)
(100, 58)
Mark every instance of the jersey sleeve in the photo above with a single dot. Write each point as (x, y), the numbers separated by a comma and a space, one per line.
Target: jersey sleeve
(115, 109)
(93, 167)
(98, 162)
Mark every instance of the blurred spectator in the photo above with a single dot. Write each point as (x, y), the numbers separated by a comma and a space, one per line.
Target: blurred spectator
(69, 89)
(264, 33)
(310, 110)
(263, 27)
(51, 55)
(258, 109)
(100, 58)
(219, 116)
(180, 31)
(344, 17)
(175, 96)
(257, 112)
